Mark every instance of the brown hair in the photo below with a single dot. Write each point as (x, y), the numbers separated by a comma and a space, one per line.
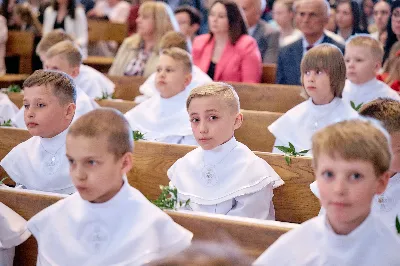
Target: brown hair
(385, 110)
(366, 41)
(97, 123)
(69, 50)
(62, 85)
(181, 56)
(174, 39)
(354, 140)
(50, 39)
(328, 58)
(216, 89)
(237, 23)
(25, 12)
(392, 64)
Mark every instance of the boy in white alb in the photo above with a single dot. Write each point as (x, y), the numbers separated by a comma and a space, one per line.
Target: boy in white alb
(13, 232)
(65, 56)
(363, 59)
(323, 76)
(351, 163)
(222, 176)
(387, 205)
(7, 108)
(107, 222)
(163, 117)
(169, 40)
(39, 163)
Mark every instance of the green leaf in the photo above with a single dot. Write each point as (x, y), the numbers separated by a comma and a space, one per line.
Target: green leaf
(14, 88)
(291, 146)
(6, 123)
(2, 180)
(137, 135)
(283, 149)
(304, 151)
(359, 106)
(355, 107)
(397, 224)
(168, 199)
(288, 159)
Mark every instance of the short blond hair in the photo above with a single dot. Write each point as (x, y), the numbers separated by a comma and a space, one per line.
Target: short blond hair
(61, 84)
(354, 140)
(326, 57)
(69, 50)
(366, 41)
(386, 110)
(97, 123)
(180, 56)
(217, 89)
(50, 39)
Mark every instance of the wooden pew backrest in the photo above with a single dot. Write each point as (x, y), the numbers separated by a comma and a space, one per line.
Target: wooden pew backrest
(12, 79)
(252, 237)
(21, 43)
(121, 105)
(127, 88)
(268, 73)
(104, 30)
(100, 63)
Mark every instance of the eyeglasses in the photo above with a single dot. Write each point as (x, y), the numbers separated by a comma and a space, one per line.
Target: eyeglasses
(381, 12)
(396, 14)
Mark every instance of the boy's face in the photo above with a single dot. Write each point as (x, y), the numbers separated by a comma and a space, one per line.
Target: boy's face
(395, 165)
(347, 189)
(60, 63)
(171, 77)
(318, 86)
(189, 30)
(95, 172)
(361, 66)
(44, 115)
(213, 121)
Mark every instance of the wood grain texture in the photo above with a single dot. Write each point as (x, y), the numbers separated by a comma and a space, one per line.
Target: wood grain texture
(104, 30)
(253, 238)
(21, 43)
(126, 88)
(11, 79)
(121, 105)
(268, 73)
(100, 63)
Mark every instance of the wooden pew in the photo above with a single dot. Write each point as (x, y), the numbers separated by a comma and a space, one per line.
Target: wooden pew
(268, 73)
(252, 236)
(100, 63)
(127, 88)
(104, 30)
(21, 43)
(12, 79)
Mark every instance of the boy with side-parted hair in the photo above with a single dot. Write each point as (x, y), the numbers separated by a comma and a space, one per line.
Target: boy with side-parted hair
(222, 176)
(363, 59)
(169, 40)
(49, 107)
(351, 164)
(66, 57)
(108, 221)
(163, 117)
(88, 79)
(323, 75)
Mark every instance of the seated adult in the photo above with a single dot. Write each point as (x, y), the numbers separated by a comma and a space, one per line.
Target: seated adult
(138, 54)
(267, 36)
(227, 52)
(283, 15)
(311, 18)
(348, 19)
(189, 20)
(116, 11)
(381, 18)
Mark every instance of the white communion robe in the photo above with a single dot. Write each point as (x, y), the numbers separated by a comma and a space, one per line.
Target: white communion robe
(163, 120)
(93, 82)
(367, 92)
(84, 104)
(299, 123)
(229, 179)
(7, 108)
(315, 243)
(126, 230)
(148, 88)
(385, 206)
(13, 232)
(40, 164)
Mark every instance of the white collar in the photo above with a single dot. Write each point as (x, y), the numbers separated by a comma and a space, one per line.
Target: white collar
(369, 83)
(306, 44)
(211, 157)
(54, 143)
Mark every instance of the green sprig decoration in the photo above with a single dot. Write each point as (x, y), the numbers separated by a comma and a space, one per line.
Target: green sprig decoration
(104, 96)
(397, 224)
(291, 152)
(14, 88)
(168, 199)
(2, 180)
(6, 123)
(355, 107)
(137, 135)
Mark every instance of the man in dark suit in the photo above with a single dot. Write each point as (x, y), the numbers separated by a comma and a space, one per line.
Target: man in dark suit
(266, 36)
(311, 18)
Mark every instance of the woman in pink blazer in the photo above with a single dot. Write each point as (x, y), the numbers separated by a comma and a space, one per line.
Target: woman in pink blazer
(227, 53)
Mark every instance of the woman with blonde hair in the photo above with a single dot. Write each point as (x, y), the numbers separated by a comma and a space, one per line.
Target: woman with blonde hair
(25, 19)
(138, 54)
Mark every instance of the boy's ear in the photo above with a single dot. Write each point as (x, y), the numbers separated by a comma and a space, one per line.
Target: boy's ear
(378, 66)
(127, 162)
(238, 121)
(188, 79)
(70, 111)
(75, 71)
(383, 181)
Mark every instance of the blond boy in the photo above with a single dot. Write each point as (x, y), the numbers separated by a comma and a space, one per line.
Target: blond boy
(387, 111)
(163, 117)
(169, 40)
(351, 163)
(222, 176)
(88, 79)
(363, 59)
(49, 107)
(107, 222)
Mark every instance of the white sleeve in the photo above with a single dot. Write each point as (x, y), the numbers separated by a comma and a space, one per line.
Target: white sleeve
(120, 14)
(3, 30)
(47, 22)
(278, 143)
(13, 229)
(148, 88)
(81, 28)
(256, 205)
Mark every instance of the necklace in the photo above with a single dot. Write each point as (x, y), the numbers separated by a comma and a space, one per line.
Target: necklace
(209, 174)
(52, 165)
